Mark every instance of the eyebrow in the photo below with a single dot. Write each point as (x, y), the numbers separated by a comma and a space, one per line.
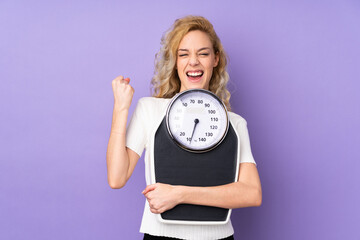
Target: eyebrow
(187, 50)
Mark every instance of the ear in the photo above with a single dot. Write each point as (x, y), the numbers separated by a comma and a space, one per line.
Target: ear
(216, 59)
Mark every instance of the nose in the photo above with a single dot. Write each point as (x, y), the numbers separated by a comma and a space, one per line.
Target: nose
(193, 61)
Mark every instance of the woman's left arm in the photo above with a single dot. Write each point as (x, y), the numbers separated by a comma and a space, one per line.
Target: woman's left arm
(246, 192)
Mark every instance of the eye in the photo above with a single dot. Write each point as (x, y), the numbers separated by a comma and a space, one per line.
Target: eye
(204, 54)
(183, 55)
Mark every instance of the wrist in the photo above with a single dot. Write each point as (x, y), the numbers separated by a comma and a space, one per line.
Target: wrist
(118, 132)
(182, 193)
(120, 109)
(119, 120)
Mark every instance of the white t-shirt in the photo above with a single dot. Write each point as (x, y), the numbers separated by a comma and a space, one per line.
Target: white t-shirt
(141, 130)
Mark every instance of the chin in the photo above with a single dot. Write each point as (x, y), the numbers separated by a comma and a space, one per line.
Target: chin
(194, 86)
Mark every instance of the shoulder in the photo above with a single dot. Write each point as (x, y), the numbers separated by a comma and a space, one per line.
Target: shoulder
(153, 101)
(152, 108)
(236, 119)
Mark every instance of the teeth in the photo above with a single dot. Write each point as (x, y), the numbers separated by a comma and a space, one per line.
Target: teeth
(194, 74)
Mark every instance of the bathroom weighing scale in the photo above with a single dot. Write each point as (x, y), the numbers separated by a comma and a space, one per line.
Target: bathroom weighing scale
(196, 145)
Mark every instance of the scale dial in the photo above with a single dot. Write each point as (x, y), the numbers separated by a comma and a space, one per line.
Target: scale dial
(197, 120)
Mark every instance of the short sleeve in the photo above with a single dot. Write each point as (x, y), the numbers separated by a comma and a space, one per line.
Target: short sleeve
(136, 130)
(245, 148)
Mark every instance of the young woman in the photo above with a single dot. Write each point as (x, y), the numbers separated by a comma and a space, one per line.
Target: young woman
(191, 56)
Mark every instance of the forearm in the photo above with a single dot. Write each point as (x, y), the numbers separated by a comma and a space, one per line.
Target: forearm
(233, 195)
(117, 157)
(246, 192)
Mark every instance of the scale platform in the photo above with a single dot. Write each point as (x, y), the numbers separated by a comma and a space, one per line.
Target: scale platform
(176, 166)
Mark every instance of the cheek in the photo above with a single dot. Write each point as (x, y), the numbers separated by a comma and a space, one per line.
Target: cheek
(210, 67)
(178, 65)
(180, 70)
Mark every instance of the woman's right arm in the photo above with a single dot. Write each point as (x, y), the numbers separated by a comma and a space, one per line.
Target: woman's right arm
(120, 160)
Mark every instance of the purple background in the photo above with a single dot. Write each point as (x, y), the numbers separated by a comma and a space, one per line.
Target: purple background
(295, 71)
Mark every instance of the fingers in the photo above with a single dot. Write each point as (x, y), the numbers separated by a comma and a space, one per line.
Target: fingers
(149, 188)
(156, 208)
(157, 197)
(118, 79)
(123, 93)
(121, 84)
(121, 79)
(156, 211)
(153, 211)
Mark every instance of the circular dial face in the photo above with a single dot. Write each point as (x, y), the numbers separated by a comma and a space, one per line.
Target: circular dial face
(197, 120)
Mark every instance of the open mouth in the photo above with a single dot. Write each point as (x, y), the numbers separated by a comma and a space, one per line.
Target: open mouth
(194, 75)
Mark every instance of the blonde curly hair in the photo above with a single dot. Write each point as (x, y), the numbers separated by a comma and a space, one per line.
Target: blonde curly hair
(165, 82)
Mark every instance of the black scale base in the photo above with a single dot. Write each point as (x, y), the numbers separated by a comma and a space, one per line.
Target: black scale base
(176, 166)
